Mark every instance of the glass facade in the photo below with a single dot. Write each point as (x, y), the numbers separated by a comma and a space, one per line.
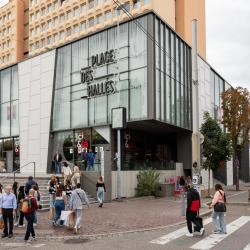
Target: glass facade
(173, 77)
(9, 122)
(9, 102)
(127, 71)
(217, 86)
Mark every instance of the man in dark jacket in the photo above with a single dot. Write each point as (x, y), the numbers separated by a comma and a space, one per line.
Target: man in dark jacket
(193, 207)
(57, 161)
(29, 184)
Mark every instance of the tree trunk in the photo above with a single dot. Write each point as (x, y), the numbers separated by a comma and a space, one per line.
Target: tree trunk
(208, 191)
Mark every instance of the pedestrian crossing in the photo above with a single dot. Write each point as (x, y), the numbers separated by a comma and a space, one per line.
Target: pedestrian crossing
(208, 242)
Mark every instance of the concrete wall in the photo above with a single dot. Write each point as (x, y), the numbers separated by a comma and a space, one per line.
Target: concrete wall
(129, 180)
(35, 97)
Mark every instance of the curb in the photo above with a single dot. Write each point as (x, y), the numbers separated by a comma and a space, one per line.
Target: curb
(114, 234)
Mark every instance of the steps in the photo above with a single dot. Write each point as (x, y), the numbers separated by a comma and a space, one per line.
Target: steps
(43, 188)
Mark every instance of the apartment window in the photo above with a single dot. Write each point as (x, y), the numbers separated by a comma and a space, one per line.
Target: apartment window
(76, 12)
(8, 43)
(32, 32)
(56, 37)
(3, 19)
(99, 19)
(127, 7)
(32, 17)
(49, 24)
(62, 18)
(91, 4)
(48, 39)
(76, 28)
(108, 15)
(136, 4)
(37, 14)
(9, 29)
(56, 5)
(43, 11)
(83, 8)
(68, 33)
(49, 8)
(62, 34)
(69, 15)
(83, 25)
(55, 21)
(91, 22)
(99, 2)
(43, 27)
(37, 45)
(9, 16)
(43, 43)
(37, 30)
(32, 2)
(4, 44)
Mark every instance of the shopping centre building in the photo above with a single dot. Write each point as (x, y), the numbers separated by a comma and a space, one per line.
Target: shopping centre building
(61, 98)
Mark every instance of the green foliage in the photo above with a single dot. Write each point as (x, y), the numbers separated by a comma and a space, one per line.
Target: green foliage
(216, 146)
(148, 183)
(236, 116)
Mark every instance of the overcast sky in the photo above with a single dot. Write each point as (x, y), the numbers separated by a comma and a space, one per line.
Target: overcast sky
(228, 39)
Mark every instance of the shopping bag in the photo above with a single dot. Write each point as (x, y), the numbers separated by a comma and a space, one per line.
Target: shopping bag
(1, 222)
(68, 218)
(71, 220)
(200, 221)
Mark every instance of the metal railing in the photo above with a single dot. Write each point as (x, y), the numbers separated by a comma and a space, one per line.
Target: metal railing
(18, 171)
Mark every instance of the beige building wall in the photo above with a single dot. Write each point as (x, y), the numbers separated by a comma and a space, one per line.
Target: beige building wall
(11, 32)
(186, 11)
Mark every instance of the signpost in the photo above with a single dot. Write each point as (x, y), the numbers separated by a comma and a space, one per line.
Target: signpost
(119, 122)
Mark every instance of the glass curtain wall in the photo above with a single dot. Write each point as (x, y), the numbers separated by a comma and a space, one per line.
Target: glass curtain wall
(217, 86)
(128, 71)
(173, 77)
(9, 124)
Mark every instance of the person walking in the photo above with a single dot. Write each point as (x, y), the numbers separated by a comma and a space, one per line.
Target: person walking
(30, 216)
(20, 198)
(60, 202)
(78, 197)
(193, 207)
(52, 192)
(219, 209)
(100, 189)
(76, 176)
(29, 184)
(38, 198)
(8, 207)
(57, 161)
(90, 160)
(66, 171)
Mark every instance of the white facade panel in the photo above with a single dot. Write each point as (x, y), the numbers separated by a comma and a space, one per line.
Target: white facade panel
(35, 94)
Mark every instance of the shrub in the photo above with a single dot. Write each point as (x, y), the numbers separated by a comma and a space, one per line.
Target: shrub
(148, 183)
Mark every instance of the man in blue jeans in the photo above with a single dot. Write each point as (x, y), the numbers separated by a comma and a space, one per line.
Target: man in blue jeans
(8, 205)
(57, 161)
(90, 160)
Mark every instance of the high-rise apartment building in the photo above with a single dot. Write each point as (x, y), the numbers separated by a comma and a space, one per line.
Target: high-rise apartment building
(29, 27)
(11, 31)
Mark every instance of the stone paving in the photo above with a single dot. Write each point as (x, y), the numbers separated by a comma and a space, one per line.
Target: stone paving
(128, 215)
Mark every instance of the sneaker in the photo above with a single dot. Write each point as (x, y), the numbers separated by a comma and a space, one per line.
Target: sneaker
(216, 231)
(35, 224)
(223, 232)
(28, 241)
(21, 225)
(16, 224)
(189, 235)
(33, 238)
(202, 231)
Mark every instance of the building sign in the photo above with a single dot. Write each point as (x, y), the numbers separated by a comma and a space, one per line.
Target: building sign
(105, 87)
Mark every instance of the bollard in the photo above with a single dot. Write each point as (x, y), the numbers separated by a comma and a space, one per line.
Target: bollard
(183, 203)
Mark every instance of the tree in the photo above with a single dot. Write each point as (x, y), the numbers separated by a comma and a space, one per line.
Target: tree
(216, 145)
(236, 118)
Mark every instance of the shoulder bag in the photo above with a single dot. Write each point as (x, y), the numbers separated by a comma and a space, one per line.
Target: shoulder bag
(220, 206)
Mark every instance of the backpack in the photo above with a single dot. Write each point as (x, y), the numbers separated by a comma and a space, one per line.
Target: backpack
(26, 207)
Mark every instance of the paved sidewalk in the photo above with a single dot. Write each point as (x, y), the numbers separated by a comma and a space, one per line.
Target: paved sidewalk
(129, 215)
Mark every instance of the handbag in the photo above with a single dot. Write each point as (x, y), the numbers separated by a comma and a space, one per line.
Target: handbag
(1, 222)
(220, 206)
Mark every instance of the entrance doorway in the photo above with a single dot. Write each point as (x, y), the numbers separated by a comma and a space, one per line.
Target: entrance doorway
(9, 154)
